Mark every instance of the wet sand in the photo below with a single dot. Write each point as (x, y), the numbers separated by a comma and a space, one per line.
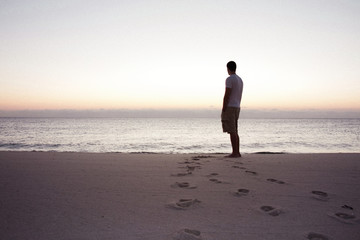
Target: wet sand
(51, 195)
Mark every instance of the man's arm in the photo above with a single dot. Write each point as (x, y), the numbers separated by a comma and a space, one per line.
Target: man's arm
(226, 98)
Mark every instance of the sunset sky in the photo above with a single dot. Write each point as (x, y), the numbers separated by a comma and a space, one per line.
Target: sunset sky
(130, 54)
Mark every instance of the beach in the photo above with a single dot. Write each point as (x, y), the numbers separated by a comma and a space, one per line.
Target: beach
(70, 195)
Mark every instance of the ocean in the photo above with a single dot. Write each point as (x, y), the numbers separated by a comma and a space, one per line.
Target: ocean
(178, 135)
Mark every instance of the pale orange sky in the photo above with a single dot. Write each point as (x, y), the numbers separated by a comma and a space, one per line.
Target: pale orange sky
(173, 54)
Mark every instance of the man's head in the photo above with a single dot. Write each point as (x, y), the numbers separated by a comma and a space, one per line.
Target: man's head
(231, 66)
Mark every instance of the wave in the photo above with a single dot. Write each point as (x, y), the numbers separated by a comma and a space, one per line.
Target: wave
(19, 146)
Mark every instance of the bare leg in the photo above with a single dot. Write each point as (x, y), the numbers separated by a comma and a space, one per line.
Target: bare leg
(235, 143)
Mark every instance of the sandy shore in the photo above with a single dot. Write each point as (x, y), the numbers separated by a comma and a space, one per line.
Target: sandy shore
(49, 195)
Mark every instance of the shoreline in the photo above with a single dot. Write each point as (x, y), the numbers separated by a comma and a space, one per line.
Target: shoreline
(178, 153)
(72, 195)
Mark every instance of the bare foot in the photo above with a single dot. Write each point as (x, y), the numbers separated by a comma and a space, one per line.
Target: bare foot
(233, 155)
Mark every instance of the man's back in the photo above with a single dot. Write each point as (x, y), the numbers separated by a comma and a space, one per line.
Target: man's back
(236, 84)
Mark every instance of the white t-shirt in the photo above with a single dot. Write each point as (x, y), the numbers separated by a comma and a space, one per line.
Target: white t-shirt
(236, 84)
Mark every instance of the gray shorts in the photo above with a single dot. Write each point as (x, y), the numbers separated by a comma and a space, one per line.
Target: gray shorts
(229, 119)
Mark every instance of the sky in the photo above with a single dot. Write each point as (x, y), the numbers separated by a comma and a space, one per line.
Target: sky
(129, 54)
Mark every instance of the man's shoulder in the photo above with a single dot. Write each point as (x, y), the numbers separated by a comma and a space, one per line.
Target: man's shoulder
(234, 77)
(238, 77)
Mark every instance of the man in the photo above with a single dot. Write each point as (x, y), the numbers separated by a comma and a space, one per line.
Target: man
(231, 108)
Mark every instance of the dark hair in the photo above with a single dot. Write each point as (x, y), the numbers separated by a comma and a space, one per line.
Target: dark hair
(231, 66)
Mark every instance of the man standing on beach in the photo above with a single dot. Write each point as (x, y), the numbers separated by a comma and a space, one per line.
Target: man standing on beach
(231, 108)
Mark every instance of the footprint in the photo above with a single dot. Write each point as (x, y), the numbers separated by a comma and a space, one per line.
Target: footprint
(275, 181)
(186, 162)
(251, 172)
(183, 204)
(212, 174)
(183, 185)
(181, 174)
(345, 218)
(272, 211)
(241, 192)
(215, 180)
(316, 236)
(191, 168)
(319, 195)
(347, 207)
(187, 234)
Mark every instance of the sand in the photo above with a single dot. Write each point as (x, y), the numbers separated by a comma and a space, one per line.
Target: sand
(50, 195)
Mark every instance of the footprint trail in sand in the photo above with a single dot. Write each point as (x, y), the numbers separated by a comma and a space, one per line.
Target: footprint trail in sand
(187, 234)
(183, 204)
(316, 236)
(185, 185)
(275, 181)
(270, 210)
(319, 195)
(241, 192)
(345, 217)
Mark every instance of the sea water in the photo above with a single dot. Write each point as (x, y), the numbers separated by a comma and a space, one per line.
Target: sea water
(178, 135)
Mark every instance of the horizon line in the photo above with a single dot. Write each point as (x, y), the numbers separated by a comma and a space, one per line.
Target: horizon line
(185, 113)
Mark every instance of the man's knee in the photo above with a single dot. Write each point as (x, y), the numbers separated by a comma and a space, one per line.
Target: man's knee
(233, 134)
